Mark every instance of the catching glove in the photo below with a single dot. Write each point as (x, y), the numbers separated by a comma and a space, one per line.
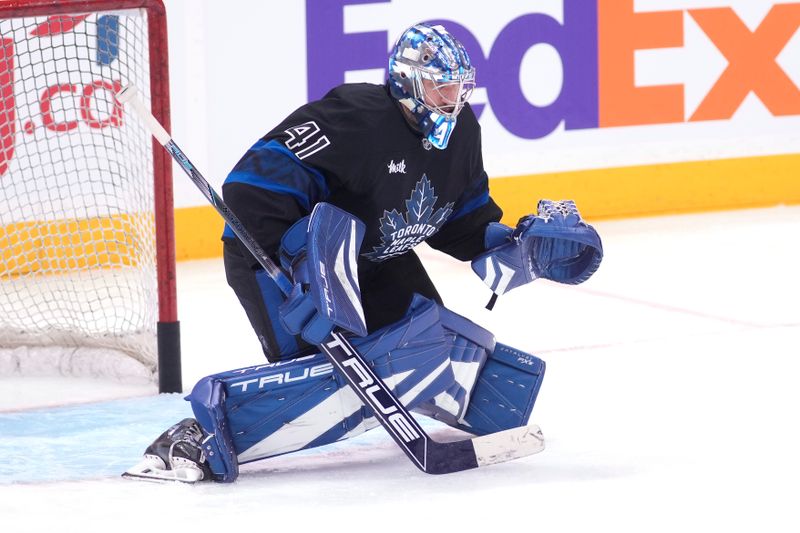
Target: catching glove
(554, 244)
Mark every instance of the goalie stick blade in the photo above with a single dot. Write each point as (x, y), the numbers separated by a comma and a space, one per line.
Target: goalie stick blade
(152, 469)
(508, 445)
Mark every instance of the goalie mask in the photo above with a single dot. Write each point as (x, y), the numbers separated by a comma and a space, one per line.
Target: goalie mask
(431, 75)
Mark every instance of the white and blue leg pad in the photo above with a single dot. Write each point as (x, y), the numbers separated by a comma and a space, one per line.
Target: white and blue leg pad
(437, 363)
(496, 386)
(505, 392)
(266, 410)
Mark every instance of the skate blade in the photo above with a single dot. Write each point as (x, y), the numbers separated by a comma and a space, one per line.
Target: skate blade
(152, 469)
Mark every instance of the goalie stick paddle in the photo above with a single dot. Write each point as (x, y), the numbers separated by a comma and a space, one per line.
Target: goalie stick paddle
(428, 455)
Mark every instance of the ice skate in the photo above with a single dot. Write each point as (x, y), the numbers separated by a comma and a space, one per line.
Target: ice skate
(176, 455)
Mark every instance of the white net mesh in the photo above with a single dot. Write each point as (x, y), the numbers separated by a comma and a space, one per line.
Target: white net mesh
(77, 234)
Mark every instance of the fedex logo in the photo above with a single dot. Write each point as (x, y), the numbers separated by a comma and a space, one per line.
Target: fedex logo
(107, 51)
(596, 42)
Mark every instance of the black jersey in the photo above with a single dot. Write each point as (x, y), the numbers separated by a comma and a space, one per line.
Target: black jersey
(355, 149)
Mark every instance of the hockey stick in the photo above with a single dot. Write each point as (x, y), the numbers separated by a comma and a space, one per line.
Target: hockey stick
(428, 455)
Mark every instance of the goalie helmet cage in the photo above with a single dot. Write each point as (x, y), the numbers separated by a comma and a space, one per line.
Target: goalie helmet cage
(87, 260)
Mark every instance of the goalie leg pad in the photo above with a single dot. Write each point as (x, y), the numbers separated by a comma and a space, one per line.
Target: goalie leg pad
(271, 409)
(500, 397)
(496, 386)
(505, 392)
(469, 346)
(208, 404)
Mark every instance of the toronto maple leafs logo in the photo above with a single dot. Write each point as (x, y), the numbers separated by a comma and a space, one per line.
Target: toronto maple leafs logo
(402, 233)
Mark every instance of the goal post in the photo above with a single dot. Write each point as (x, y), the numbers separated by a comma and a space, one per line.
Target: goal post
(87, 253)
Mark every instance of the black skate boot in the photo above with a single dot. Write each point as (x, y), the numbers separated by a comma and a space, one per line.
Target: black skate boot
(176, 455)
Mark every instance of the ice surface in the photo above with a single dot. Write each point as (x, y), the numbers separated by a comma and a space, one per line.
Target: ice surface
(670, 403)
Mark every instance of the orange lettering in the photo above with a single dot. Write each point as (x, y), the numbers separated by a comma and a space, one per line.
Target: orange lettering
(622, 32)
(751, 61)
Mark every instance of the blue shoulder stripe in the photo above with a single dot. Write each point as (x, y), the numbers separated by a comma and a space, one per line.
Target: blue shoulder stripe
(271, 166)
(276, 146)
(257, 180)
(471, 205)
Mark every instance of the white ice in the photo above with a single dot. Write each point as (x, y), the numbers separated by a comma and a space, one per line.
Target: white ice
(670, 403)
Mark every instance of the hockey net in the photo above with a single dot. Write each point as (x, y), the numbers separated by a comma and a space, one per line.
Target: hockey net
(86, 251)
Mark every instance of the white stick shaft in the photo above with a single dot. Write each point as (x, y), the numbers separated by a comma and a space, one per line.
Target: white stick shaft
(129, 95)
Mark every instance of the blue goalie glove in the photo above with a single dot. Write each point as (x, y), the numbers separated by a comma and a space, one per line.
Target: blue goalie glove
(320, 252)
(555, 244)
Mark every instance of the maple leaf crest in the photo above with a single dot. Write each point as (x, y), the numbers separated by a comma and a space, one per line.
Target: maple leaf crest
(401, 233)
(420, 206)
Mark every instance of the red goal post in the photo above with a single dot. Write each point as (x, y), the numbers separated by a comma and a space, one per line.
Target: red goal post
(86, 225)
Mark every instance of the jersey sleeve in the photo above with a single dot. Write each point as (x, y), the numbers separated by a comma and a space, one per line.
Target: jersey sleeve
(463, 235)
